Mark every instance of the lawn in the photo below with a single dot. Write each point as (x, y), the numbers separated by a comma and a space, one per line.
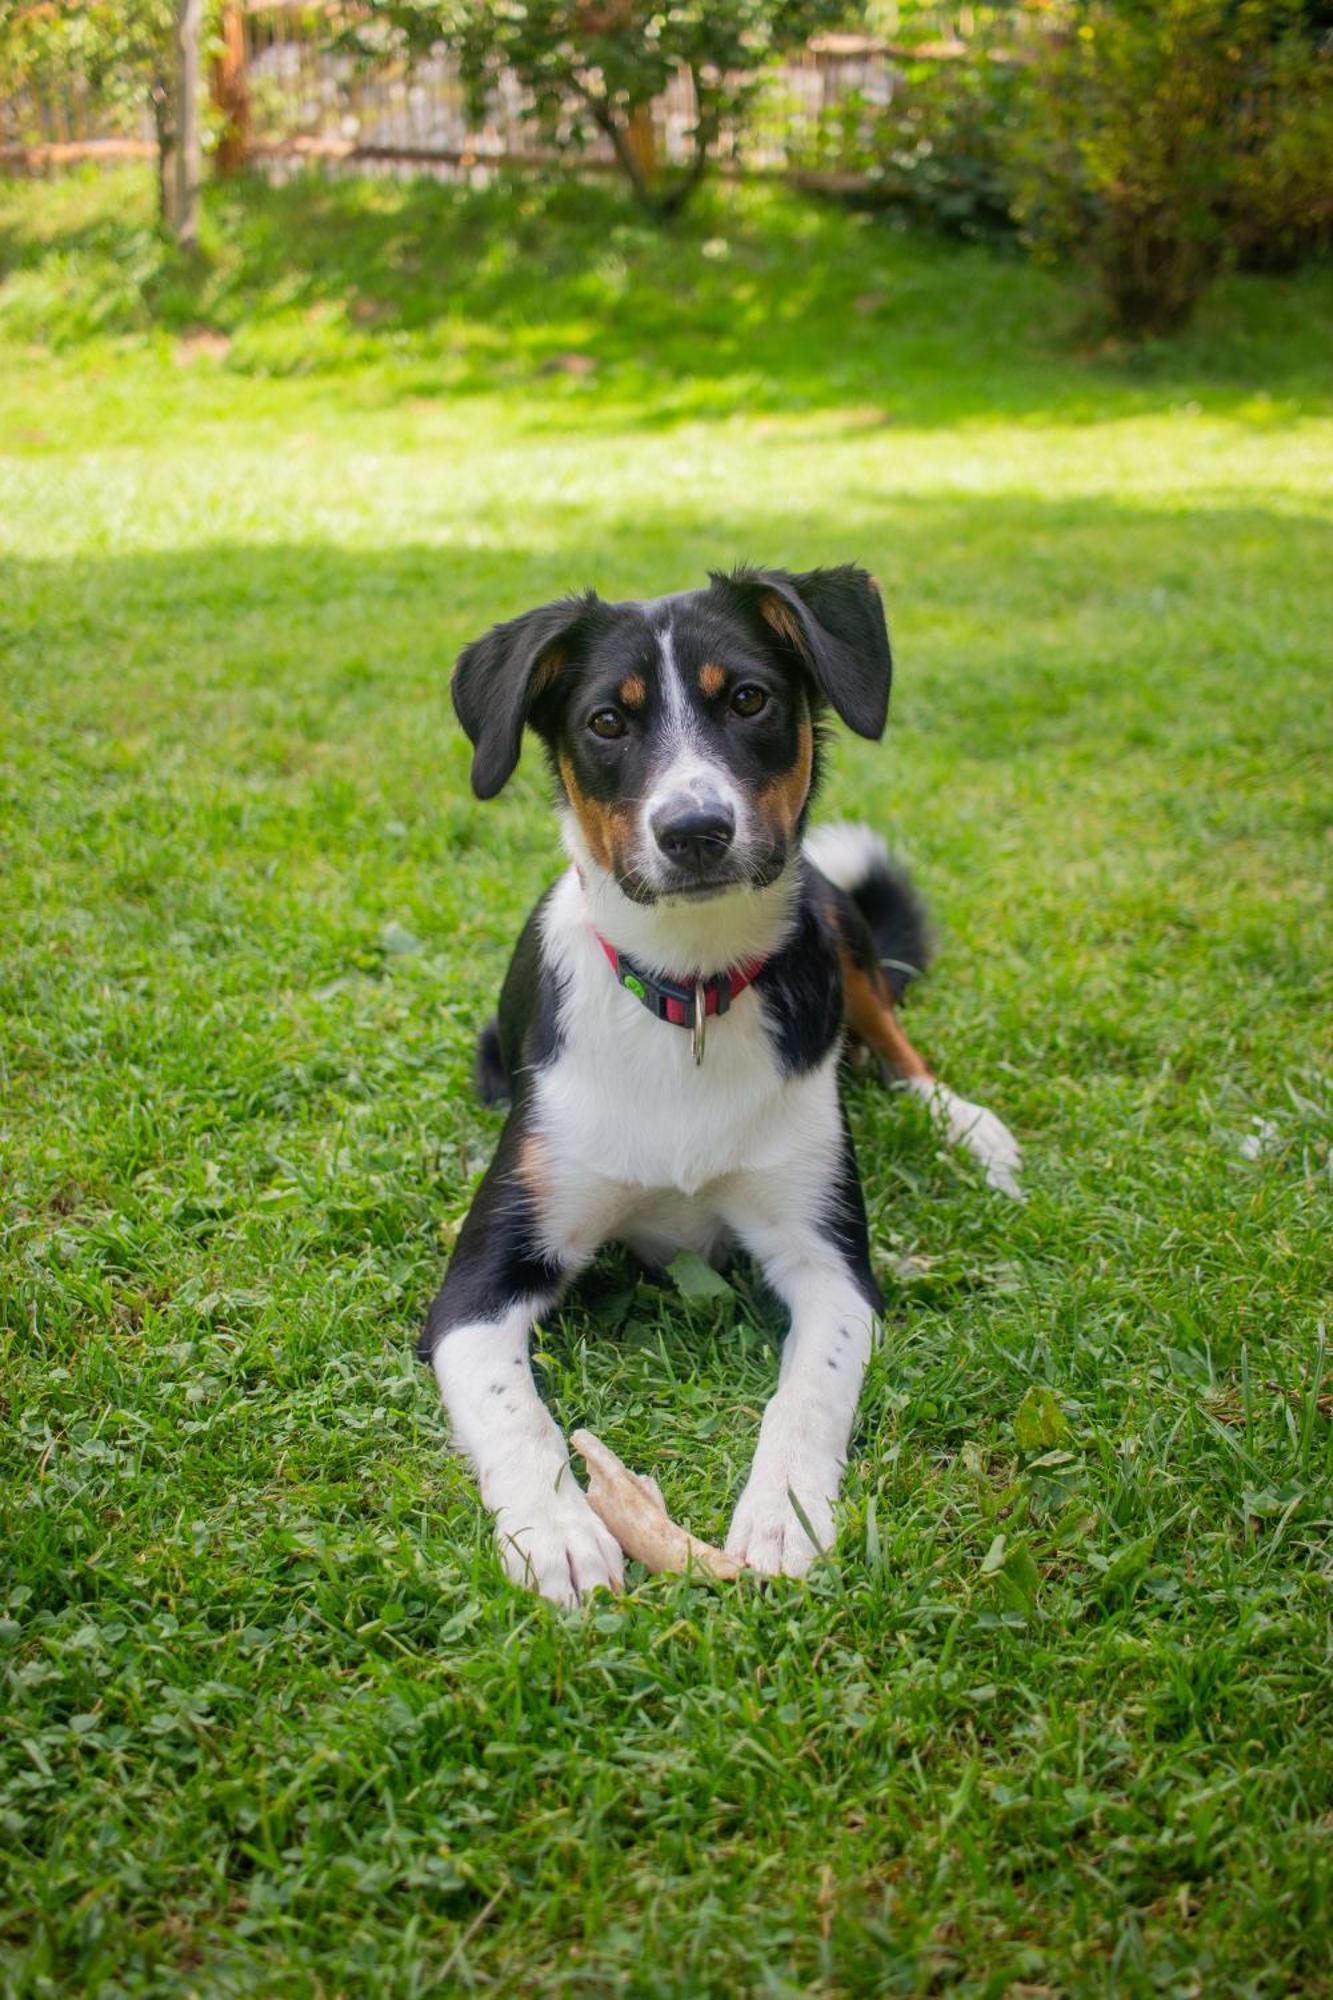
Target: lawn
(1058, 1718)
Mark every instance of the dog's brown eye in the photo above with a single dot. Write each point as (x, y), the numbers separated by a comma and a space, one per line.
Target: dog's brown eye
(748, 701)
(607, 723)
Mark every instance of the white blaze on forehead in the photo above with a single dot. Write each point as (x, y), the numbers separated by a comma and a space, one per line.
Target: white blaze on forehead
(679, 723)
(681, 769)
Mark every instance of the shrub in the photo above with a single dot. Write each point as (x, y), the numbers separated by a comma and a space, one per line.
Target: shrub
(942, 144)
(938, 148)
(1160, 140)
(1280, 207)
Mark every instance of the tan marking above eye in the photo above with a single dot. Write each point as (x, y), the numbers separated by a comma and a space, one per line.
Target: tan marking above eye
(632, 692)
(712, 680)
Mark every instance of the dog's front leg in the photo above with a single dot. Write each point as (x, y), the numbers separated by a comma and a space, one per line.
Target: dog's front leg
(548, 1535)
(802, 1450)
(784, 1517)
(500, 1280)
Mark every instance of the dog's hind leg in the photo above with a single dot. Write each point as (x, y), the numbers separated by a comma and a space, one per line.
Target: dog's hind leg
(869, 1011)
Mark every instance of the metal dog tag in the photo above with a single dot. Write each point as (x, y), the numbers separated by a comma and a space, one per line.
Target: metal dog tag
(699, 1027)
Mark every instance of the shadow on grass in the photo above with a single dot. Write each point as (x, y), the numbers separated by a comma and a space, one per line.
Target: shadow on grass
(1025, 631)
(757, 300)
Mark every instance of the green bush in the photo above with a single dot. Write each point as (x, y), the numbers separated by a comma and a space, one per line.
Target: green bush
(1280, 207)
(942, 145)
(1162, 142)
(939, 148)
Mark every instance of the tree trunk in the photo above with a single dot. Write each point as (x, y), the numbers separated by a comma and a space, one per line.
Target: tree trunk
(188, 147)
(642, 142)
(231, 95)
(707, 123)
(159, 98)
(626, 156)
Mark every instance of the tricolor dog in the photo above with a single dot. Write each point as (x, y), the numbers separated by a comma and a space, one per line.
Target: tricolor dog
(670, 1028)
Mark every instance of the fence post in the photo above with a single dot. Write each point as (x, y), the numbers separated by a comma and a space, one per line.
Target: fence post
(231, 95)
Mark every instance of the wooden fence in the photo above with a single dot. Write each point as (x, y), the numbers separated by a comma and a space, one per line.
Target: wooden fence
(305, 100)
(284, 96)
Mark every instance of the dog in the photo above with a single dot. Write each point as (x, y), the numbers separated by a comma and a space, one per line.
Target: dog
(669, 1032)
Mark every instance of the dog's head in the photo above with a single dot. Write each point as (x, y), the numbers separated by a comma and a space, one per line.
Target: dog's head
(682, 731)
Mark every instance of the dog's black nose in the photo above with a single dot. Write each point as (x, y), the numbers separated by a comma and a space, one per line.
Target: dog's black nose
(693, 834)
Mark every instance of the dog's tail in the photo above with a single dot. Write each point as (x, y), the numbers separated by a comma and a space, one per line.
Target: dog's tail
(857, 861)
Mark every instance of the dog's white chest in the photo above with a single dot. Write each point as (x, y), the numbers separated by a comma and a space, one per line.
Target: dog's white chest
(628, 1103)
(625, 1100)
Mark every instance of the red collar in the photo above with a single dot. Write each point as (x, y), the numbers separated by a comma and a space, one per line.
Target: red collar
(686, 1003)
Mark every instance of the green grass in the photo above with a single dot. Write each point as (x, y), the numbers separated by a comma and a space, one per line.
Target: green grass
(271, 1721)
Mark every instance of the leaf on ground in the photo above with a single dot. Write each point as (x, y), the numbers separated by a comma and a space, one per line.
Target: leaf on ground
(1020, 1576)
(1014, 1570)
(695, 1280)
(1039, 1422)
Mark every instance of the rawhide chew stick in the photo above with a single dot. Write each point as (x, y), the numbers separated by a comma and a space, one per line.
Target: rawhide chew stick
(631, 1507)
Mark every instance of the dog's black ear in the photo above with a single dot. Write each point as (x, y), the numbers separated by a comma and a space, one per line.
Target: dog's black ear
(833, 621)
(500, 677)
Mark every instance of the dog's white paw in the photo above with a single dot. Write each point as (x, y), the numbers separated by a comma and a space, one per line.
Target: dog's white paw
(986, 1137)
(766, 1531)
(991, 1143)
(558, 1547)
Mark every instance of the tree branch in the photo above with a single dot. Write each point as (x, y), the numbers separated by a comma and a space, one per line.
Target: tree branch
(626, 158)
(706, 127)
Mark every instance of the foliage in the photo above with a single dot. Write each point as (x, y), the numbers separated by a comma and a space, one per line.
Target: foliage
(1161, 139)
(119, 51)
(596, 65)
(1279, 208)
(943, 142)
(273, 1724)
(939, 148)
(119, 48)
